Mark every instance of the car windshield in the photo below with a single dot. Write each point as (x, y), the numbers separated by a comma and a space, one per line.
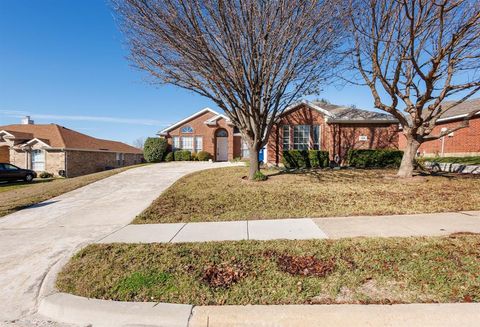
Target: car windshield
(9, 167)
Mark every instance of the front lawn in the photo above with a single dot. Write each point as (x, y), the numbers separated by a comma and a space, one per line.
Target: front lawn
(16, 196)
(360, 270)
(221, 194)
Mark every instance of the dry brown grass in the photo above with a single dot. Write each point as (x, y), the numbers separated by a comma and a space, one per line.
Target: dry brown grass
(21, 195)
(221, 194)
(358, 270)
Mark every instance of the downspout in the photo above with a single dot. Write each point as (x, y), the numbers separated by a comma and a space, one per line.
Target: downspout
(65, 164)
(443, 141)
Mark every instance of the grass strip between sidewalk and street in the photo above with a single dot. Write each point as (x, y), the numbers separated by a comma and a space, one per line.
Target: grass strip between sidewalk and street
(222, 195)
(21, 195)
(357, 270)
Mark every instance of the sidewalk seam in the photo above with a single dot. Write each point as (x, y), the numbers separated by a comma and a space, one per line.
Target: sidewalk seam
(177, 233)
(191, 315)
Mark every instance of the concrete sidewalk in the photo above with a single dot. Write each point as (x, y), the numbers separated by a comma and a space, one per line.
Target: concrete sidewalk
(302, 228)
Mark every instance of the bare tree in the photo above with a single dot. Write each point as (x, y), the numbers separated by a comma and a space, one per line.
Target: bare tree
(414, 54)
(253, 58)
(139, 143)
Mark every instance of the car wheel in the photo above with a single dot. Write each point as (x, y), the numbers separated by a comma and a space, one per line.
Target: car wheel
(28, 178)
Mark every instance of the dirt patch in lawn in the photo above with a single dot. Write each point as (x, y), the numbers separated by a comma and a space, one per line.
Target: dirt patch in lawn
(365, 270)
(221, 195)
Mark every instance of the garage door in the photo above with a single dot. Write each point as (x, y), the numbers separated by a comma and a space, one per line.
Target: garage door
(4, 154)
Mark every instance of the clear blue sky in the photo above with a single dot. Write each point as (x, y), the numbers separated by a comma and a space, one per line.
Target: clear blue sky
(64, 62)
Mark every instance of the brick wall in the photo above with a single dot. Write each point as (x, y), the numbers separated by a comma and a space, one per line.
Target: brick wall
(464, 142)
(19, 158)
(207, 133)
(4, 154)
(337, 139)
(88, 162)
(54, 161)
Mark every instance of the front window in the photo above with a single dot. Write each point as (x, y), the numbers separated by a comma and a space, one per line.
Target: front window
(198, 144)
(120, 157)
(316, 137)
(38, 160)
(286, 137)
(301, 137)
(245, 151)
(176, 142)
(187, 143)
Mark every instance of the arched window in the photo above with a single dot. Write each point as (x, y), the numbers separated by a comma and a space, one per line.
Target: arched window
(221, 133)
(187, 129)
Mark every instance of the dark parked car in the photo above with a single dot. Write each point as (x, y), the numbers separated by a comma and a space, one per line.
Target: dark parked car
(9, 172)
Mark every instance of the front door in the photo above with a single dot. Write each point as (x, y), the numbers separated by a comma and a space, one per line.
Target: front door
(222, 148)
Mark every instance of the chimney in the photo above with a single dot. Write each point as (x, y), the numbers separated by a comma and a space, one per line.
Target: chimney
(27, 121)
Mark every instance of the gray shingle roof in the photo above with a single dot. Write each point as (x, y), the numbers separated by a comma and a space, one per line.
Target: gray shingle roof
(463, 108)
(343, 113)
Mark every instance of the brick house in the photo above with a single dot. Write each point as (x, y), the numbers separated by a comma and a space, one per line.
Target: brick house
(305, 125)
(62, 151)
(463, 142)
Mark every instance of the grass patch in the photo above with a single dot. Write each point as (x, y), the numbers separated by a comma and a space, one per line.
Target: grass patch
(221, 194)
(359, 270)
(8, 186)
(459, 160)
(18, 196)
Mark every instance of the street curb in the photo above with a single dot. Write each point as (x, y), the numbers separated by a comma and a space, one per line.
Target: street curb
(72, 309)
(334, 315)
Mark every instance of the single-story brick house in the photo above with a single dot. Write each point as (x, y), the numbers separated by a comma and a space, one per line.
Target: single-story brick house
(62, 151)
(463, 142)
(303, 126)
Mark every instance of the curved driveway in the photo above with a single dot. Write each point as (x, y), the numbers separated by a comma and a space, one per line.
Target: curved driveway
(37, 241)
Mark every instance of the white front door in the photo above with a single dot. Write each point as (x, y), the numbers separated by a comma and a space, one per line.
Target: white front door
(222, 148)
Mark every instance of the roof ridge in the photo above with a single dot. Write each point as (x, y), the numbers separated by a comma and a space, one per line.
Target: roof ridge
(60, 134)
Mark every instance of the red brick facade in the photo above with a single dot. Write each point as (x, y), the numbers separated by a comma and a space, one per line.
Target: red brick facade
(336, 138)
(463, 142)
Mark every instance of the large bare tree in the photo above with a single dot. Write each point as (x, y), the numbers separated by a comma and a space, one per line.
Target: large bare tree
(253, 58)
(414, 55)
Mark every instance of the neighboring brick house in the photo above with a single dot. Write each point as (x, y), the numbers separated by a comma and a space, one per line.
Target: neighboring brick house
(463, 142)
(305, 125)
(62, 151)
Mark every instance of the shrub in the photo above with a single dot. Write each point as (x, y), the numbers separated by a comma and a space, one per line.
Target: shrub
(204, 156)
(259, 176)
(182, 155)
(154, 149)
(169, 157)
(194, 156)
(375, 158)
(45, 174)
(295, 159)
(318, 159)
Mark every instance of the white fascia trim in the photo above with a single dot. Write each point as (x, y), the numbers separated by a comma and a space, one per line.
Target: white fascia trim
(198, 113)
(213, 120)
(6, 133)
(36, 140)
(309, 104)
(457, 117)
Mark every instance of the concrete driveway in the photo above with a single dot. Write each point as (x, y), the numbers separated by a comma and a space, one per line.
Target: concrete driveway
(36, 242)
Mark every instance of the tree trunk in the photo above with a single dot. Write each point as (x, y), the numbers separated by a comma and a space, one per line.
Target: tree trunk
(408, 159)
(254, 164)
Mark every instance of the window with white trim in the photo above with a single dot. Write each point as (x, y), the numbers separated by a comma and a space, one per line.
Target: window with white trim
(316, 137)
(301, 137)
(120, 157)
(38, 160)
(176, 142)
(198, 144)
(244, 150)
(187, 143)
(286, 137)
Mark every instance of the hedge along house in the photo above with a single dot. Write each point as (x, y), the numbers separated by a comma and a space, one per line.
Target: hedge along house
(463, 142)
(303, 126)
(62, 151)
